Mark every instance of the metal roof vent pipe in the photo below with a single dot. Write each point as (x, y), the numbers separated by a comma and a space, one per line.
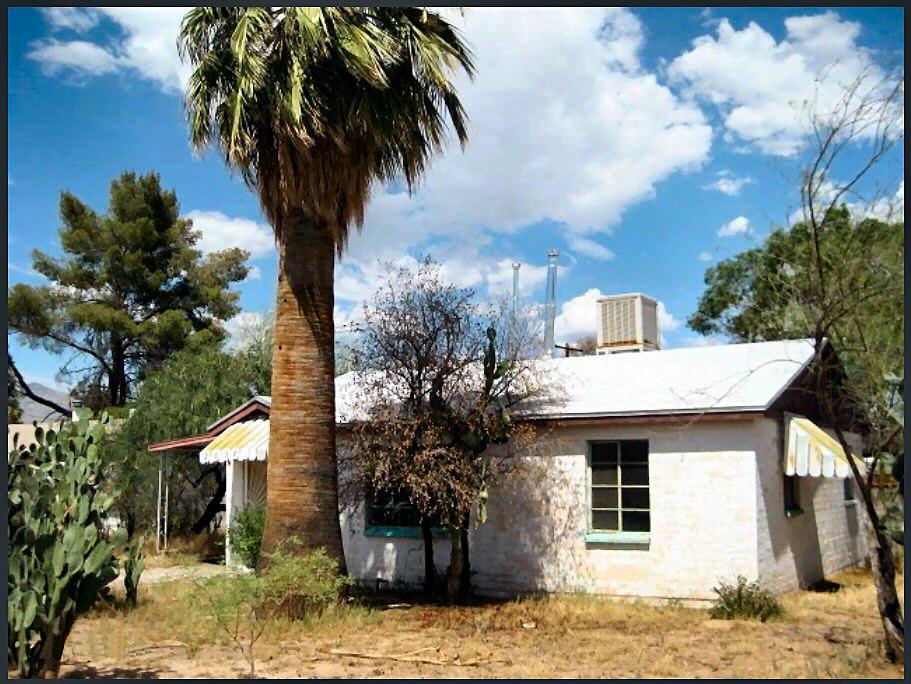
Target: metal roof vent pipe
(550, 305)
(515, 288)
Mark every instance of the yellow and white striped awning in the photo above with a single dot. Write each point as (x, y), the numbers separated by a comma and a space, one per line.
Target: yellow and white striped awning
(812, 452)
(247, 441)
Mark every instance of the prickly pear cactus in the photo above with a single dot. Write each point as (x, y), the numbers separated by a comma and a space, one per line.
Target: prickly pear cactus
(59, 555)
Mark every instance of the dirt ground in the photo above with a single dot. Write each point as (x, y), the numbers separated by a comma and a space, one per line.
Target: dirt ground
(821, 634)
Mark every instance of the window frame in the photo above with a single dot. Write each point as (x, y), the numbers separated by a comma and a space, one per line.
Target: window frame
(620, 534)
(848, 490)
(791, 495)
(379, 529)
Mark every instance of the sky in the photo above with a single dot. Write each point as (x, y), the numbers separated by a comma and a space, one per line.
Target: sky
(644, 144)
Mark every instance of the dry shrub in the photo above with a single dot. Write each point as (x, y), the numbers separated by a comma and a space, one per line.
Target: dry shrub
(299, 585)
(744, 600)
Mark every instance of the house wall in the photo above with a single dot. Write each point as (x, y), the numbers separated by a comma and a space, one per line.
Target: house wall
(794, 552)
(703, 520)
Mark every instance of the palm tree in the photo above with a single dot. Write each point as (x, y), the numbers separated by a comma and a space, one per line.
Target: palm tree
(313, 106)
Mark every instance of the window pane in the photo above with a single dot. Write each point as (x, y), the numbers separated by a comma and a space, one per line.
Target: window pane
(635, 497)
(604, 497)
(849, 489)
(604, 520)
(634, 451)
(604, 475)
(604, 453)
(636, 521)
(636, 474)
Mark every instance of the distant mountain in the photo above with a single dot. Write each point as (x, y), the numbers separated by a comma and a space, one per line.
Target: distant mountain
(32, 410)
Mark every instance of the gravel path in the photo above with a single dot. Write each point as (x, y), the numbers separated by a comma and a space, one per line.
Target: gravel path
(179, 572)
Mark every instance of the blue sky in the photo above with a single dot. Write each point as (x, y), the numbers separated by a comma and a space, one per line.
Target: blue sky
(644, 144)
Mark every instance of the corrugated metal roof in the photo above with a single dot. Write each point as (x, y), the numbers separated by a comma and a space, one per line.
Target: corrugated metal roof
(247, 441)
(715, 379)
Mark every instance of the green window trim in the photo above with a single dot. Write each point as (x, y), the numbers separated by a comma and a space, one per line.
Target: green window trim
(618, 538)
(403, 532)
(617, 489)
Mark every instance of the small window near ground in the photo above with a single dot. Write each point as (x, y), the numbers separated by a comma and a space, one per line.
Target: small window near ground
(792, 495)
(393, 509)
(619, 496)
(848, 484)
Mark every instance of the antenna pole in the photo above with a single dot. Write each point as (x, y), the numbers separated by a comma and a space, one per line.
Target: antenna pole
(550, 304)
(515, 288)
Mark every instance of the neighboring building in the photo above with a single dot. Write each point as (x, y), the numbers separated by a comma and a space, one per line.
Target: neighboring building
(663, 473)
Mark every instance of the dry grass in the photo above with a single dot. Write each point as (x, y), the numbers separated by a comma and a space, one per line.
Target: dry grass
(820, 635)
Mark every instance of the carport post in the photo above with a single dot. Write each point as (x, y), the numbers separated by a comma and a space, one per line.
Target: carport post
(158, 501)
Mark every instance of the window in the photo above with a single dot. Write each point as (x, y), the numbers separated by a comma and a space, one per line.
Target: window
(392, 509)
(792, 495)
(848, 484)
(619, 486)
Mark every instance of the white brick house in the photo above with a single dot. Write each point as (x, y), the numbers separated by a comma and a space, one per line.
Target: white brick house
(663, 473)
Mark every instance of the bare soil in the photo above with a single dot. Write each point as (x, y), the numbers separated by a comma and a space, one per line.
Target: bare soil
(821, 634)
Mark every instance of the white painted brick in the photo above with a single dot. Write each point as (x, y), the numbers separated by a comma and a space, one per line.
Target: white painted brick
(716, 513)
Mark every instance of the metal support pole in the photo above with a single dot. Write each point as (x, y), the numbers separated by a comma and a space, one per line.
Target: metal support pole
(167, 501)
(158, 501)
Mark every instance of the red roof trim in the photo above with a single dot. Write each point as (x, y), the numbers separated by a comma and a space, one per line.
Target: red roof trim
(202, 440)
(181, 443)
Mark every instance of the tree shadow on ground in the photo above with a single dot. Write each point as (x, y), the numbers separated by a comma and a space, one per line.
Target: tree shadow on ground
(86, 671)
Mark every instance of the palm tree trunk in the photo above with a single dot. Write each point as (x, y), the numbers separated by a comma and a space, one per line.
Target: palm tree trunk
(302, 475)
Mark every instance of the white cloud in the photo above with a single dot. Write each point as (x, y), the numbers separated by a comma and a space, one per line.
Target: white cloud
(666, 320)
(243, 328)
(737, 226)
(222, 232)
(256, 273)
(576, 133)
(578, 317)
(704, 256)
(590, 248)
(79, 56)
(760, 85)
(728, 183)
(77, 19)
(145, 44)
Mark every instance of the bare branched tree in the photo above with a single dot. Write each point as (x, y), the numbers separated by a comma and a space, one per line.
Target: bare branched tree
(840, 278)
(438, 375)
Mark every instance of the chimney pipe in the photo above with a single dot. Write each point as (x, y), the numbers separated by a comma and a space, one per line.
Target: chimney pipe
(515, 287)
(550, 304)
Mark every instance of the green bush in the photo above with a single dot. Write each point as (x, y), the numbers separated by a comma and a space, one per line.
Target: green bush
(246, 534)
(297, 584)
(237, 607)
(59, 556)
(293, 585)
(744, 600)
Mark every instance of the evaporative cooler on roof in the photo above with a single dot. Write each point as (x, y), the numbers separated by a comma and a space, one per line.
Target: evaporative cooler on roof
(627, 322)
